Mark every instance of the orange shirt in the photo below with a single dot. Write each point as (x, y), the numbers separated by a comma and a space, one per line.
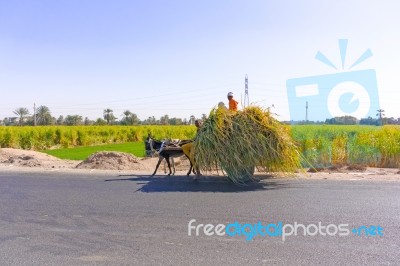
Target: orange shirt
(233, 105)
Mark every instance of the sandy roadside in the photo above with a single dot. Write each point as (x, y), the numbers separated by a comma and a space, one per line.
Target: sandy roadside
(14, 160)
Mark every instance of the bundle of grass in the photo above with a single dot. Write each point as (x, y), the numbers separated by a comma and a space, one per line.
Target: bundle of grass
(239, 141)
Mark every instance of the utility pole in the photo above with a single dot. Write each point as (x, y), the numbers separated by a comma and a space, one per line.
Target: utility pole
(34, 114)
(246, 91)
(306, 112)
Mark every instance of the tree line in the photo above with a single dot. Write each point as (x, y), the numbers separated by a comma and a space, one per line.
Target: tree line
(42, 116)
(350, 120)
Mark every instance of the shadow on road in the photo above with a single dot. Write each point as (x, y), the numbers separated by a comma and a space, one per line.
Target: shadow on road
(204, 184)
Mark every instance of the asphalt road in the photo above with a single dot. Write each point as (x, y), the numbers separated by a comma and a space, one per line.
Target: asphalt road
(65, 219)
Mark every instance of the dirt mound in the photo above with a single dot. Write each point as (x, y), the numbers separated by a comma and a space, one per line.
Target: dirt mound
(26, 158)
(28, 161)
(112, 161)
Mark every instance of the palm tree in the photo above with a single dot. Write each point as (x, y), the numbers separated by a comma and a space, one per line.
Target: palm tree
(43, 115)
(127, 115)
(164, 120)
(60, 120)
(87, 121)
(21, 112)
(380, 114)
(108, 115)
(134, 119)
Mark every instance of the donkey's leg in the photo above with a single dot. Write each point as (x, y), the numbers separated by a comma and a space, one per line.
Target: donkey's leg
(191, 166)
(196, 171)
(165, 166)
(169, 164)
(173, 165)
(158, 164)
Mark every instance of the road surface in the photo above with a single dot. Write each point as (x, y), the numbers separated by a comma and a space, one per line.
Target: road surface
(106, 219)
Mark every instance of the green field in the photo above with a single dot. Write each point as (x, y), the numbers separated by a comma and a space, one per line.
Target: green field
(81, 153)
(320, 145)
(46, 137)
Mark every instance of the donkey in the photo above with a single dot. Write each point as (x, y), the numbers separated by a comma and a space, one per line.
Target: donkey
(151, 152)
(167, 154)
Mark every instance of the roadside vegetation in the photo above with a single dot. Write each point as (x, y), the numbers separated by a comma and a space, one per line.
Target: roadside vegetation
(333, 145)
(321, 145)
(50, 137)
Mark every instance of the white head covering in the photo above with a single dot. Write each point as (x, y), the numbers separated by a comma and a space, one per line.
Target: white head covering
(230, 94)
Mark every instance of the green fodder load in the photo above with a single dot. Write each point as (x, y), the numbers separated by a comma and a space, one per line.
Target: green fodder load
(239, 141)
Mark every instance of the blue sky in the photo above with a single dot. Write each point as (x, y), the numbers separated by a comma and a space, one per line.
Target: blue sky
(182, 57)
